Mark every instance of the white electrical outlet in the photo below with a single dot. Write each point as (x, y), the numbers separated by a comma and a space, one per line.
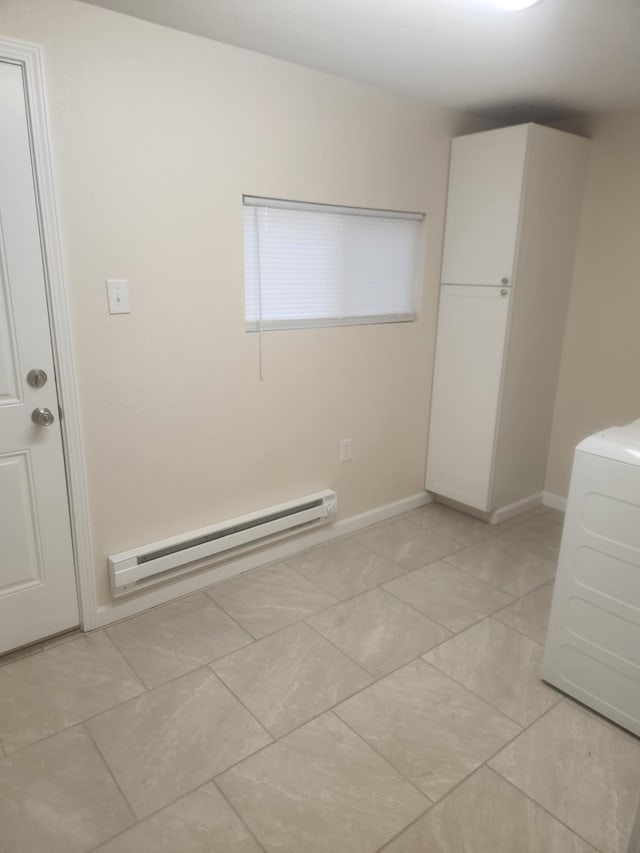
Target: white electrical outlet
(345, 450)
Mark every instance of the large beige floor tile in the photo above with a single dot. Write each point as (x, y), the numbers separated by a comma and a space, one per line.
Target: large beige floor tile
(345, 568)
(176, 638)
(427, 726)
(290, 677)
(452, 597)
(463, 529)
(501, 666)
(529, 614)
(585, 773)
(541, 536)
(506, 564)
(378, 631)
(58, 796)
(171, 740)
(487, 815)
(269, 599)
(406, 543)
(59, 687)
(321, 789)
(201, 822)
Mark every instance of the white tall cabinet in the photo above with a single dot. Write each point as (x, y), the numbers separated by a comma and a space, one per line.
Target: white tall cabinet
(512, 217)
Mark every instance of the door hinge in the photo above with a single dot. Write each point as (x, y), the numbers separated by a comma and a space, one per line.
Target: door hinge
(60, 412)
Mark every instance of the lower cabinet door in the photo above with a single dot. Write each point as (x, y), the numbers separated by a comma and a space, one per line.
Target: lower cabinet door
(470, 345)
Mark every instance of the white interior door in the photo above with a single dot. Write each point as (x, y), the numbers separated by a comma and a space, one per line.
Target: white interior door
(37, 579)
(472, 325)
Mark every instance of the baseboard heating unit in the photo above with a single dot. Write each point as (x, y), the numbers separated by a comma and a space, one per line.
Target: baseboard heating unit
(159, 561)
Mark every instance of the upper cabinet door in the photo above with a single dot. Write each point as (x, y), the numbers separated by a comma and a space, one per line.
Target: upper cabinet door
(483, 208)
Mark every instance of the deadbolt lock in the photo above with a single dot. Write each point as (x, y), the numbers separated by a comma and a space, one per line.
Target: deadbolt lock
(37, 378)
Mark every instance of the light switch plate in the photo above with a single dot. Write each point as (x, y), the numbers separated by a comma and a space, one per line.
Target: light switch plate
(118, 296)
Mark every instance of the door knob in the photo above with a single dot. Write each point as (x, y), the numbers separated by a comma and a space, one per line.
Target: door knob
(42, 417)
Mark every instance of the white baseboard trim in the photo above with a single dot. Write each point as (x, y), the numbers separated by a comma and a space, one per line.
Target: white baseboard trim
(505, 512)
(554, 501)
(106, 614)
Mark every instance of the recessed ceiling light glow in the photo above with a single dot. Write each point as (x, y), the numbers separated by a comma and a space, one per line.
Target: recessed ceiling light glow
(513, 5)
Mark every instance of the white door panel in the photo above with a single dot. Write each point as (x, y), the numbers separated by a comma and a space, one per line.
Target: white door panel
(483, 206)
(19, 524)
(37, 578)
(472, 324)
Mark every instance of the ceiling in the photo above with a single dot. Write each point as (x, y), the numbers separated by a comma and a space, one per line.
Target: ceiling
(556, 58)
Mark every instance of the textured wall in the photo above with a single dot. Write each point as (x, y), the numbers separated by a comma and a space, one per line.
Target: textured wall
(599, 383)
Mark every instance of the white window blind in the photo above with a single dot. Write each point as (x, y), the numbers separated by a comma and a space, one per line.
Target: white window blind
(321, 265)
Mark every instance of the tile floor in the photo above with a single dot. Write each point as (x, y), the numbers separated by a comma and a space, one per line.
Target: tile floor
(380, 693)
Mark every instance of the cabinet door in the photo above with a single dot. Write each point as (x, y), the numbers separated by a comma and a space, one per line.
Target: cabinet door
(472, 324)
(483, 206)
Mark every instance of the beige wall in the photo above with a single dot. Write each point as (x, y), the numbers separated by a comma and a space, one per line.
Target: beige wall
(599, 383)
(156, 135)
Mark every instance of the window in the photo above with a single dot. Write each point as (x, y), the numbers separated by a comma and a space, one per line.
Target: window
(321, 265)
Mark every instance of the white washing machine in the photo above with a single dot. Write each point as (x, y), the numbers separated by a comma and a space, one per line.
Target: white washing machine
(593, 644)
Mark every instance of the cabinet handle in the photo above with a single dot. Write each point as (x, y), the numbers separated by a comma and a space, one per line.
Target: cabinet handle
(504, 281)
(503, 291)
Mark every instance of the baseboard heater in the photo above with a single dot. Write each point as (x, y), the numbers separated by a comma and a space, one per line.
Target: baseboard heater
(159, 561)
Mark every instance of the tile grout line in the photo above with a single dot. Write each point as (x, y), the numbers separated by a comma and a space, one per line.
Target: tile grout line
(486, 702)
(280, 628)
(252, 641)
(402, 573)
(428, 616)
(373, 677)
(406, 572)
(465, 779)
(377, 678)
(474, 694)
(207, 781)
(464, 548)
(401, 773)
(494, 616)
(516, 596)
(136, 820)
(332, 710)
(543, 808)
(128, 664)
(155, 813)
(236, 812)
(82, 720)
(218, 604)
(520, 734)
(249, 711)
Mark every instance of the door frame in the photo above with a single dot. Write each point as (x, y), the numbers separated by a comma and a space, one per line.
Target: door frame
(29, 57)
